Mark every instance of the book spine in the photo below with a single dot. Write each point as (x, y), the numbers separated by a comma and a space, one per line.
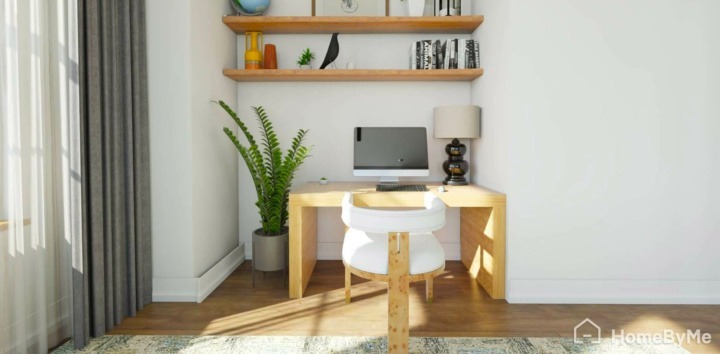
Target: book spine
(461, 54)
(453, 54)
(433, 53)
(477, 54)
(418, 55)
(446, 54)
(413, 56)
(427, 57)
(437, 56)
(469, 56)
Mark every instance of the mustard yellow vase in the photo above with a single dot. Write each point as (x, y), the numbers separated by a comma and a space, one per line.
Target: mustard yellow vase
(253, 55)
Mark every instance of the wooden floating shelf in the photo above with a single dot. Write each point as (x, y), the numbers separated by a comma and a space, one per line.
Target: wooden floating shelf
(5, 224)
(280, 75)
(321, 24)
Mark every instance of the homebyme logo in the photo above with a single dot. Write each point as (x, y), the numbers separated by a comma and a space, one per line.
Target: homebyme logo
(588, 331)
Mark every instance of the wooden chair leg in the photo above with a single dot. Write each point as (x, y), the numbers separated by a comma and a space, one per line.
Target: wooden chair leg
(398, 296)
(429, 290)
(347, 285)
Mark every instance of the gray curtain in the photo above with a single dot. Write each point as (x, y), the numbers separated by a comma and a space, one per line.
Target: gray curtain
(116, 277)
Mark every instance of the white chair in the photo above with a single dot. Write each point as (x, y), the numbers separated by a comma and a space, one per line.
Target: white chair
(396, 247)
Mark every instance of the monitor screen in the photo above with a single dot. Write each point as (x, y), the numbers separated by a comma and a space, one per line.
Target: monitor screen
(391, 152)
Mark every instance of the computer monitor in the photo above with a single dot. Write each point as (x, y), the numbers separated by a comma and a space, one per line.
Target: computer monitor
(390, 153)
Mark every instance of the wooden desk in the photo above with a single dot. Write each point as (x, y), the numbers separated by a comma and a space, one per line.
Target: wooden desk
(482, 226)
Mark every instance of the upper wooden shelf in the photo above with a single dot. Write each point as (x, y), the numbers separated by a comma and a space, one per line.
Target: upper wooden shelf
(321, 24)
(5, 224)
(276, 75)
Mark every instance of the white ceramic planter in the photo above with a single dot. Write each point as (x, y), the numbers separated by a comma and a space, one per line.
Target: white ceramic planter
(415, 8)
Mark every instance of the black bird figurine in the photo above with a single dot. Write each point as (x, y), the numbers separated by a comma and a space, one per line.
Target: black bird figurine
(332, 52)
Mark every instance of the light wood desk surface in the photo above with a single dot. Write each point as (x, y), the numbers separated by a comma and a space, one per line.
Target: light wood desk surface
(482, 226)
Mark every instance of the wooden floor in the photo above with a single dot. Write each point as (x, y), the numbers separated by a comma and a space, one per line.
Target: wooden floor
(461, 308)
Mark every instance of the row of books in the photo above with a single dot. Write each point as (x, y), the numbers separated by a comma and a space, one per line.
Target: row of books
(448, 54)
(448, 7)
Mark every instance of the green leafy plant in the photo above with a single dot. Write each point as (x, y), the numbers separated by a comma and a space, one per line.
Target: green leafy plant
(271, 172)
(306, 56)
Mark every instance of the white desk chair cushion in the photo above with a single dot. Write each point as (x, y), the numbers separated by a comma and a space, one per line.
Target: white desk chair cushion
(384, 221)
(366, 242)
(368, 252)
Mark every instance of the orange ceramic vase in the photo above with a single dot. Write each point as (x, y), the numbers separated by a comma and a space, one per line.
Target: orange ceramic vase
(270, 57)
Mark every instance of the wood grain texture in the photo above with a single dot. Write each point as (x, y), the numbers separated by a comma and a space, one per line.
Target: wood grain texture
(429, 294)
(498, 253)
(479, 225)
(384, 277)
(348, 284)
(482, 247)
(398, 292)
(473, 222)
(352, 75)
(461, 308)
(364, 194)
(303, 247)
(310, 24)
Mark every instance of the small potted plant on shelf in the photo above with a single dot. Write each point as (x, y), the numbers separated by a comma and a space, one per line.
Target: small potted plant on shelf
(272, 173)
(305, 59)
(323, 181)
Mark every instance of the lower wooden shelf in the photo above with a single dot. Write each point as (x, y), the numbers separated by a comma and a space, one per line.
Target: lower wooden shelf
(280, 75)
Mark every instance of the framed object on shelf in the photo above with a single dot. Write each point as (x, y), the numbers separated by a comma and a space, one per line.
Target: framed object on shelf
(350, 7)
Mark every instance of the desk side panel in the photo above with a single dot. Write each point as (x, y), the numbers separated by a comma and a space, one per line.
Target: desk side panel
(303, 248)
(499, 243)
(477, 246)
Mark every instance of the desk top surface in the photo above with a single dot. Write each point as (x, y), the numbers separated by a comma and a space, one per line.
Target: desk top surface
(315, 194)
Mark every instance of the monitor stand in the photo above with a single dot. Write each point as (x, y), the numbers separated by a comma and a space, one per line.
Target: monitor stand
(389, 180)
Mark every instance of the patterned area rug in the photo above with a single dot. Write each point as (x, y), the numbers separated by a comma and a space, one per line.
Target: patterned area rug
(272, 344)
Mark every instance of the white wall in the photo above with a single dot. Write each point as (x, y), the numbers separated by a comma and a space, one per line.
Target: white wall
(600, 121)
(331, 111)
(170, 136)
(194, 166)
(215, 160)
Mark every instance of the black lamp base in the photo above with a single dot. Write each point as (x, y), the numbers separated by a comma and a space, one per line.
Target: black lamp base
(455, 167)
(456, 183)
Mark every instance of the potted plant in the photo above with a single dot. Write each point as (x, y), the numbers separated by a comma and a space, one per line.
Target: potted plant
(272, 173)
(306, 57)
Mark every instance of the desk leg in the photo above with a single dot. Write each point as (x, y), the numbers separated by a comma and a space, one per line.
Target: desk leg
(482, 247)
(398, 296)
(303, 248)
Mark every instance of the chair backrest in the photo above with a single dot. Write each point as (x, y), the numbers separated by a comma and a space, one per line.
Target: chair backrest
(374, 220)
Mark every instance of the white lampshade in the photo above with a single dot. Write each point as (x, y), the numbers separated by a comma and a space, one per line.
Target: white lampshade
(461, 122)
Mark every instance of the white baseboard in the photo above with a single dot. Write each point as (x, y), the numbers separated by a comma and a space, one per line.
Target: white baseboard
(209, 281)
(530, 291)
(197, 289)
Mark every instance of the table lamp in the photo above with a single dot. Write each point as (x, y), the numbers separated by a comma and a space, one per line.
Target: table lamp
(456, 122)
